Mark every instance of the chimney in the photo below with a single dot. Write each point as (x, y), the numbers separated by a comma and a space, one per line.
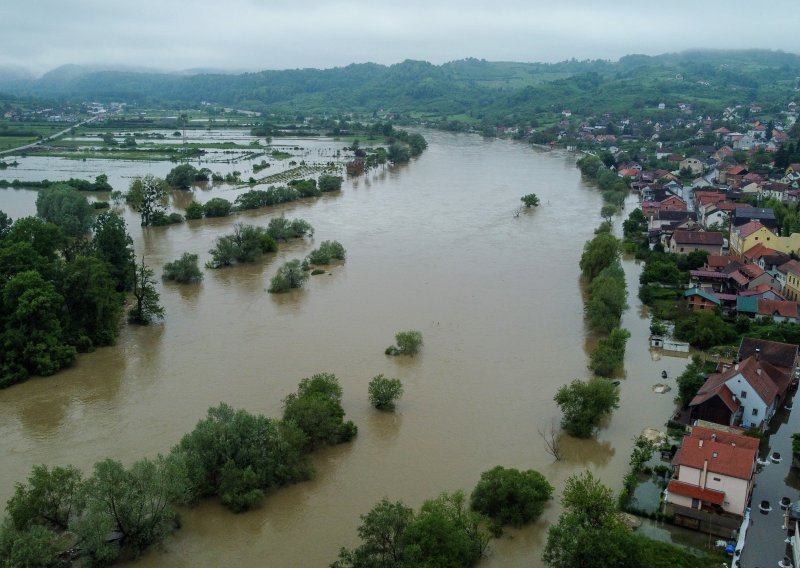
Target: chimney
(758, 371)
(736, 367)
(700, 443)
(758, 354)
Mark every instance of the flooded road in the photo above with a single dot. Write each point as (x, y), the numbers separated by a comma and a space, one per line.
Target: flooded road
(432, 246)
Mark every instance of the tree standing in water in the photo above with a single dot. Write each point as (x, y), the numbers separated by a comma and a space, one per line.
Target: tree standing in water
(147, 307)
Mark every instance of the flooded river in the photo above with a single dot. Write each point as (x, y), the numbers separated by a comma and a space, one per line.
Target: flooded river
(433, 246)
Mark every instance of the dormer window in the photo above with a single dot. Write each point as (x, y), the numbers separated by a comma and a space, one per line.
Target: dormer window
(743, 394)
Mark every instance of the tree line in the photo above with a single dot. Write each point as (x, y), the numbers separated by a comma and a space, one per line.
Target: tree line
(119, 510)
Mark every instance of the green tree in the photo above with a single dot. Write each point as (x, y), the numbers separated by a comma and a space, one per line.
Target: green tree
(607, 212)
(217, 207)
(382, 538)
(327, 251)
(289, 276)
(407, 343)
(690, 381)
(589, 533)
(146, 195)
(383, 392)
(240, 456)
(599, 253)
(446, 534)
(35, 547)
(607, 299)
(283, 229)
(329, 183)
(113, 245)
(704, 329)
(609, 354)
(510, 496)
(399, 153)
(93, 305)
(67, 208)
(530, 200)
(194, 211)
(51, 498)
(136, 503)
(183, 270)
(317, 410)
(584, 404)
(147, 307)
(183, 176)
(33, 339)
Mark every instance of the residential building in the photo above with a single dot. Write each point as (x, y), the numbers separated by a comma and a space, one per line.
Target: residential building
(684, 242)
(746, 236)
(713, 471)
(791, 272)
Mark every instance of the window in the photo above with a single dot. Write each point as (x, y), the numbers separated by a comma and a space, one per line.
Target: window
(755, 412)
(743, 395)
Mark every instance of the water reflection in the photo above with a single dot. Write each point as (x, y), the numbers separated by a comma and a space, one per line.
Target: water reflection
(586, 452)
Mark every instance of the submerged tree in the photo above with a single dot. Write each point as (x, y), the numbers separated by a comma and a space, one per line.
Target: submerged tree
(147, 307)
(584, 404)
(146, 195)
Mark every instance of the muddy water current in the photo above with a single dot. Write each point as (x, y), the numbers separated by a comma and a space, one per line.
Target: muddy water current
(434, 246)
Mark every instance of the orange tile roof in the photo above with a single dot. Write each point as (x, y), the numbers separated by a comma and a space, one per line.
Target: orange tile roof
(726, 453)
(695, 492)
(783, 308)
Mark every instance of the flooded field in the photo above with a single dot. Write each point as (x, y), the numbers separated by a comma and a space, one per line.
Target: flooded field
(432, 245)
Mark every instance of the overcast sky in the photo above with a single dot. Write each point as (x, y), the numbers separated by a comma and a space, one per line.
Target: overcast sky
(40, 35)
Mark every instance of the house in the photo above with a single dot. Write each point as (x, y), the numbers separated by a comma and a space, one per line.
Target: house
(791, 272)
(671, 203)
(700, 300)
(692, 164)
(781, 355)
(746, 236)
(684, 242)
(777, 310)
(747, 394)
(765, 216)
(713, 471)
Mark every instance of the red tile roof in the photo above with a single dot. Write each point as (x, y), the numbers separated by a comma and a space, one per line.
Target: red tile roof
(698, 238)
(792, 266)
(783, 308)
(749, 228)
(758, 251)
(718, 260)
(695, 492)
(752, 271)
(726, 453)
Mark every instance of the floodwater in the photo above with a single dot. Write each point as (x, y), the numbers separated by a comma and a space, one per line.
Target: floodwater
(433, 246)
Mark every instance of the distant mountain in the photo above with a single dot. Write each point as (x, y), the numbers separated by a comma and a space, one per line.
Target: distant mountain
(490, 91)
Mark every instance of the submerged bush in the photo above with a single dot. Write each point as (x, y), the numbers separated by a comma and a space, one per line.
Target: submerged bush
(183, 270)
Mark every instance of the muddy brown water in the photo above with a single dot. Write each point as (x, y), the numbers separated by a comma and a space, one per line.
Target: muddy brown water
(433, 246)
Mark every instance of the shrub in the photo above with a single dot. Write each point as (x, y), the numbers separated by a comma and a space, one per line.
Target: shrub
(584, 404)
(317, 410)
(510, 496)
(245, 244)
(610, 353)
(327, 251)
(194, 211)
(530, 200)
(282, 229)
(217, 207)
(160, 218)
(408, 343)
(289, 276)
(383, 392)
(183, 270)
(329, 183)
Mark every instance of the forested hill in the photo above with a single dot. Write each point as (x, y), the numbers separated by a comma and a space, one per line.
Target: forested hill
(492, 91)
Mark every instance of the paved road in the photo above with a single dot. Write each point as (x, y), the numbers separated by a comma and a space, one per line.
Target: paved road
(56, 135)
(765, 544)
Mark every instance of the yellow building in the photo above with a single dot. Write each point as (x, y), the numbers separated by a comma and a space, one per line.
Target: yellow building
(791, 270)
(746, 236)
